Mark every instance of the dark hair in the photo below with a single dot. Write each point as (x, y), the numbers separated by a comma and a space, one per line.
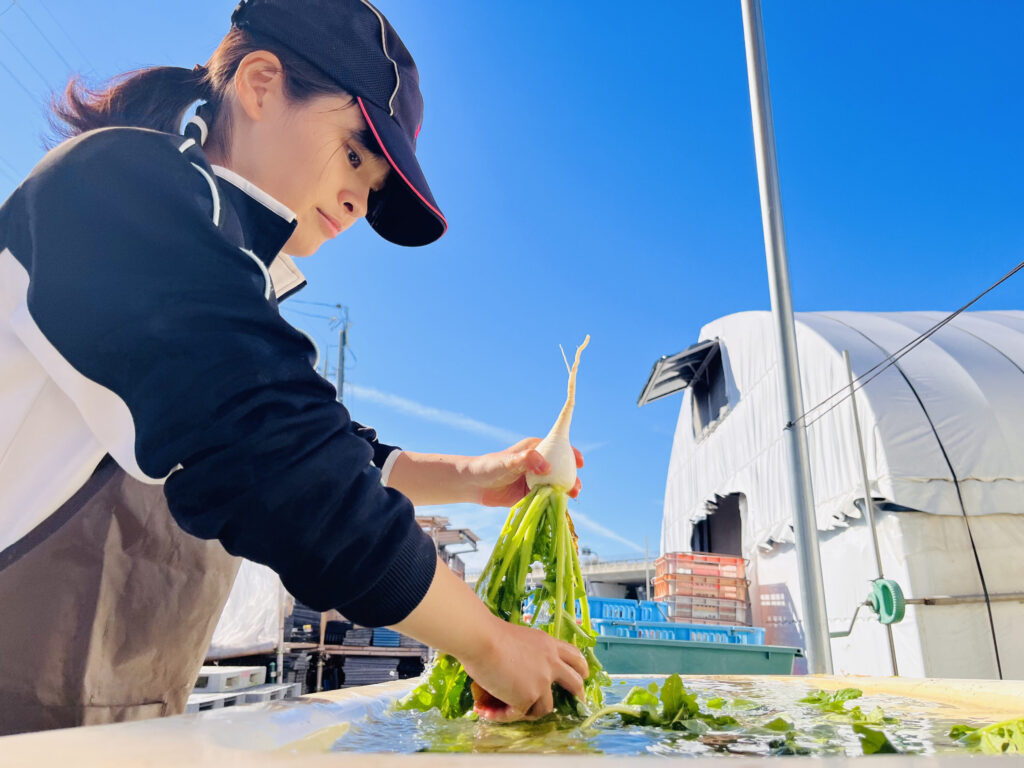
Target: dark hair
(157, 97)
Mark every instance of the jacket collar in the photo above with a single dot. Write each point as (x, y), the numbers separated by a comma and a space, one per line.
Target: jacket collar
(266, 225)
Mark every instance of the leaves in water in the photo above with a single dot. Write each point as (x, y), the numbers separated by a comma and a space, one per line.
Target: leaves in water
(831, 701)
(1002, 738)
(716, 703)
(779, 724)
(676, 703)
(874, 742)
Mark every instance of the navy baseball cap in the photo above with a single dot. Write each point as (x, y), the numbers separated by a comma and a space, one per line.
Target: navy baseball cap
(352, 43)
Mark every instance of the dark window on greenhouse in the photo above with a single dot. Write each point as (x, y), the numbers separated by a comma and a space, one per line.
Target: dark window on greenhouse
(708, 394)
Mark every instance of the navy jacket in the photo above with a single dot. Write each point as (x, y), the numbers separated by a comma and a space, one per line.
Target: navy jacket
(138, 318)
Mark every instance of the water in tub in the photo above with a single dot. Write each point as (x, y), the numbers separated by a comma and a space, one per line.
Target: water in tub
(770, 720)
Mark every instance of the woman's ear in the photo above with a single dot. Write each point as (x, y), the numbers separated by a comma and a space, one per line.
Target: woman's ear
(259, 84)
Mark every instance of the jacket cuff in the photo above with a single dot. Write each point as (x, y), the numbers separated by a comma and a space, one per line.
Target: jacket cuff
(401, 587)
(389, 464)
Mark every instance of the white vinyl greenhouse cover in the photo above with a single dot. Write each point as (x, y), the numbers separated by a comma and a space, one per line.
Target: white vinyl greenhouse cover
(943, 428)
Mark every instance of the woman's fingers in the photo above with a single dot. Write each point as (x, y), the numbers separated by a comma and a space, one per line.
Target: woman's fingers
(571, 655)
(575, 492)
(536, 463)
(569, 678)
(579, 458)
(545, 705)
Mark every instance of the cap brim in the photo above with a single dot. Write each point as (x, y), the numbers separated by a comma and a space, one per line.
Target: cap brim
(404, 212)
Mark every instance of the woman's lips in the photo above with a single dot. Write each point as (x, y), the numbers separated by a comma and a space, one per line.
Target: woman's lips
(333, 227)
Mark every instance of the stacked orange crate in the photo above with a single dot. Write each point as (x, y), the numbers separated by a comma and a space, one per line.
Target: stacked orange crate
(702, 587)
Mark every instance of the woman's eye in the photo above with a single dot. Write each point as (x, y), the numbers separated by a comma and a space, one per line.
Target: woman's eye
(354, 158)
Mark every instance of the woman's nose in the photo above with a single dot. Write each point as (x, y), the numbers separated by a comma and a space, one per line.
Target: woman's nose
(353, 205)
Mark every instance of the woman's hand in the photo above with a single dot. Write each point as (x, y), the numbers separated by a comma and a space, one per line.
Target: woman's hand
(513, 667)
(512, 677)
(499, 479)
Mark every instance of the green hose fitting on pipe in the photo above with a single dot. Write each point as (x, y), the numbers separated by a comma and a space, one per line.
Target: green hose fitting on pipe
(887, 601)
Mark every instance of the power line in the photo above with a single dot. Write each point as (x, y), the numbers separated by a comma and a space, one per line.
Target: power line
(869, 375)
(12, 168)
(26, 58)
(18, 81)
(44, 36)
(68, 36)
(307, 314)
(315, 303)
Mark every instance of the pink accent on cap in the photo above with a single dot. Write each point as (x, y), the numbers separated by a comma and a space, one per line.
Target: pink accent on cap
(408, 183)
(417, 134)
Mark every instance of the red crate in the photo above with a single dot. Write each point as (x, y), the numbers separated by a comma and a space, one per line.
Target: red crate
(701, 564)
(672, 584)
(706, 609)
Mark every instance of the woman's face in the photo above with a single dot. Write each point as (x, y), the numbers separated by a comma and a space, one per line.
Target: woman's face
(306, 155)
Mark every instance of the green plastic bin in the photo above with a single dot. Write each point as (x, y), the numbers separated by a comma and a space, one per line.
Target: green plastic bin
(636, 656)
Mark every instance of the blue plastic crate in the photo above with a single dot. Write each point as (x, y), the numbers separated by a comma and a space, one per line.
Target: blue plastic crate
(650, 610)
(612, 608)
(658, 630)
(713, 633)
(747, 635)
(611, 628)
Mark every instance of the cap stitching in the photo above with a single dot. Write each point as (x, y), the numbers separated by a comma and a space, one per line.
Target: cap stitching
(384, 45)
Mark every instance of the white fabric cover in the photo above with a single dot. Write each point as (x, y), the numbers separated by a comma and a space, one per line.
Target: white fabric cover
(957, 395)
(251, 618)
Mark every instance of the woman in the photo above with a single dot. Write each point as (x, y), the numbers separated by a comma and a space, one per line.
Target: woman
(157, 404)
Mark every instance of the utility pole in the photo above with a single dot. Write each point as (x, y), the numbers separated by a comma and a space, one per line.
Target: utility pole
(342, 346)
(805, 529)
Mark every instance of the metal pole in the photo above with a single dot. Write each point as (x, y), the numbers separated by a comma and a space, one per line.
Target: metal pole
(280, 632)
(869, 503)
(819, 652)
(342, 343)
(647, 568)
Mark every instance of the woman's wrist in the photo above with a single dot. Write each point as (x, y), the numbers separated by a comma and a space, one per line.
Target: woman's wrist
(434, 478)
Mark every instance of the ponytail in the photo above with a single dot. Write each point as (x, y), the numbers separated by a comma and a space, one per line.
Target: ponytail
(155, 97)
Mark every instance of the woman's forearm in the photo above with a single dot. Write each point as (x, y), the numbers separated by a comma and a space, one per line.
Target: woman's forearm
(432, 478)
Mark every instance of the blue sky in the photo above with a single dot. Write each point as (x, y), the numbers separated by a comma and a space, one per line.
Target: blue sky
(595, 162)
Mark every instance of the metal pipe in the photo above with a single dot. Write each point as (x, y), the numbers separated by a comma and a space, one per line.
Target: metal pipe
(964, 599)
(815, 618)
(280, 631)
(869, 503)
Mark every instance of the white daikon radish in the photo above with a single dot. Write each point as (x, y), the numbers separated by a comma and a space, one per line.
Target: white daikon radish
(556, 447)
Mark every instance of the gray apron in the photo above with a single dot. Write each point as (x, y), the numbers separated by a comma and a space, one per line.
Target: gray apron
(107, 608)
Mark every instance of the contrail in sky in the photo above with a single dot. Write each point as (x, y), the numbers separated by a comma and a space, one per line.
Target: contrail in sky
(430, 413)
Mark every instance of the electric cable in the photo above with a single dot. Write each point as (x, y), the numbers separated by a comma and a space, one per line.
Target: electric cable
(43, 34)
(865, 378)
(17, 79)
(25, 57)
(60, 26)
(306, 314)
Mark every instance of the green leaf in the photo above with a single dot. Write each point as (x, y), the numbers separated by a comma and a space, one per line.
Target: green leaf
(716, 703)
(676, 703)
(779, 724)
(959, 731)
(692, 727)
(644, 706)
(743, 704)
(874, 742)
